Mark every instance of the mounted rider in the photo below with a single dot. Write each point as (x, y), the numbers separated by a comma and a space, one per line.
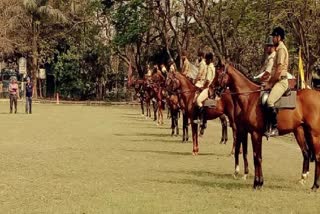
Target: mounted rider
(268, 64)
(185, 65)
(278, 81)
(172, 68)
(205, 80)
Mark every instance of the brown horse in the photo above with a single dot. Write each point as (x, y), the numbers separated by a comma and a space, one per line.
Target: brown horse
(187, 91)
(303, 121)
(174, 109)
(157, 86)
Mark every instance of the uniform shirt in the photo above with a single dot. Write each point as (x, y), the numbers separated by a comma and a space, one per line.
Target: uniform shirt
(202, 74)
(281, 60)
(211, 72)
(29, 89)
(186, 67)
(202, 70)
(13, 88)
(268, 65)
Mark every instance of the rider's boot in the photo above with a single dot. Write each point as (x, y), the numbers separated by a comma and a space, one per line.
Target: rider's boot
(273, 131)
(203, 121)
(196, 114)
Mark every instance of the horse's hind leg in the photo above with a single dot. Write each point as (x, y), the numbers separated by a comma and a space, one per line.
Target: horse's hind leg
(177, 121)
(300, 136)
(316, 146)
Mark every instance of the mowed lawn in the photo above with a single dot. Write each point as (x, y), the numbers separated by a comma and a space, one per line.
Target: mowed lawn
(82, 159)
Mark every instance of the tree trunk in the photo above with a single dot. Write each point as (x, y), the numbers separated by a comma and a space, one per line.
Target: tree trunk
(34, 58)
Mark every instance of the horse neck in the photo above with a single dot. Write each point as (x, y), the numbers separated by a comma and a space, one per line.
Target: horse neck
(240, 83)
(247, 92)
(187, 91)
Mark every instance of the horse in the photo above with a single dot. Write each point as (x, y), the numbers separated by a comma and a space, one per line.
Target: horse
(140, 93)
(157, 87)
(187, 91)
(303, 120)
(174, 109)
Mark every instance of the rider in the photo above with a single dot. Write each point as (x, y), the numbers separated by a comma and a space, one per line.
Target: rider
(172, 69)
(208, 75)
(186, 64)
(278, 80)
(163, 70)
(268, 64)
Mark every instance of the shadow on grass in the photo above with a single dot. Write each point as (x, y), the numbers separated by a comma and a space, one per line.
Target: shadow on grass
(200, 173)
(171, 152)
(227, 183)
(158, 140)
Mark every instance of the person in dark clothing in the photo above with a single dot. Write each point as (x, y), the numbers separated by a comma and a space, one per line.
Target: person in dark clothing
(29, 92)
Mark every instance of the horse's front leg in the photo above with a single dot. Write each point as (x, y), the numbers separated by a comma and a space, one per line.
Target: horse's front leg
(195, 150)
(256, 139)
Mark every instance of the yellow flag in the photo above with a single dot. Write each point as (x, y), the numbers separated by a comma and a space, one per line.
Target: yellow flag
(301, 71)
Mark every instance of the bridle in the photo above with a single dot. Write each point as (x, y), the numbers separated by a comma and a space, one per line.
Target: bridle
(222, 86)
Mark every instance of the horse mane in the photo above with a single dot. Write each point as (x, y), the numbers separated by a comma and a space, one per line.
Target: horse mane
(185, 78)
(243, 72)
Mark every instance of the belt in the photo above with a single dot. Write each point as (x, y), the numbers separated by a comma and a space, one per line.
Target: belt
(283, 77)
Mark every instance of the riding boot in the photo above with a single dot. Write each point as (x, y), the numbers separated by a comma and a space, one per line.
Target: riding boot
(196, 114)
(203, 121)
(273, 131)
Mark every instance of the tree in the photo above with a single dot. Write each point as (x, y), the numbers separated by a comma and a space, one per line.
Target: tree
(38, 12)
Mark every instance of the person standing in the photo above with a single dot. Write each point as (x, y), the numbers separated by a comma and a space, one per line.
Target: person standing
(29, 94)
(13, 94)
(278, 81)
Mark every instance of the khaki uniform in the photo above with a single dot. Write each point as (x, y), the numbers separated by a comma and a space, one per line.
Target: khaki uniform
(268, 64)
(281, 62)
(186, 68)
(201, 74)
(210, 74)
(148, 74)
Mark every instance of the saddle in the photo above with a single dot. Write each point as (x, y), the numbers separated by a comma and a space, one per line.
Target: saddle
(287, 101)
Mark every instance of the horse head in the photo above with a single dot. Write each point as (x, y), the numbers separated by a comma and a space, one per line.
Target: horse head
(172, 83)
(222, 79)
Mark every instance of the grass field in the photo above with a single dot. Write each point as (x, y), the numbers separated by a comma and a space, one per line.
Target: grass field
(81, 159)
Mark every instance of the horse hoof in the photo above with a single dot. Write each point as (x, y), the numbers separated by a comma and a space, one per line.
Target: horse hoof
(314, 188)
(302, 181)
(235, 176)
(244, 177)
(221, 141)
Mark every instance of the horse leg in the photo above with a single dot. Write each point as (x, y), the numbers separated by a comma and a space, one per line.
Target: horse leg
(172, 124)
(177, 122)
(301, 140)
(315, 137)
(142, 107)
(185, 127)
(224, 135)
(195, 150)
(244, 141)
(236, 156)
(256, 140)
(234, 135)
(155, 108)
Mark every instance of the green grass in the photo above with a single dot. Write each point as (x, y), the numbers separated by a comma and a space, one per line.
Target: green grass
(81, 159)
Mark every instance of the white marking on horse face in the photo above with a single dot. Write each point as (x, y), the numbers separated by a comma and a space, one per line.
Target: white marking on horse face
(237, 168)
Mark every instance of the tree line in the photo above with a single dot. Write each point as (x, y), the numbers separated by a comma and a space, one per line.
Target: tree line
(88, 44)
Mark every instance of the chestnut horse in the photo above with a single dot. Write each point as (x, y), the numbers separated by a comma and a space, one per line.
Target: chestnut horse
(187, 91)
(303, 121)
